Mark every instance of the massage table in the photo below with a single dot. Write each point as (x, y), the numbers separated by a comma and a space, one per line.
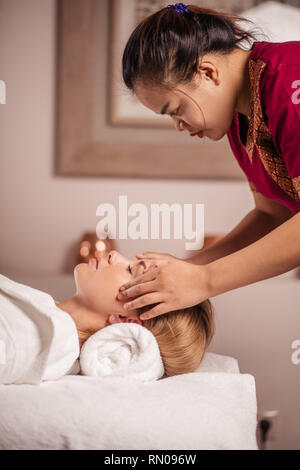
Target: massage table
(213, 408)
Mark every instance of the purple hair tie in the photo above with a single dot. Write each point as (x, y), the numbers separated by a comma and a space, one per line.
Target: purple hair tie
(179, 7)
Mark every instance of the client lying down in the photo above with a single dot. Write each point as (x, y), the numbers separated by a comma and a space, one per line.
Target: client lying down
(41, 340)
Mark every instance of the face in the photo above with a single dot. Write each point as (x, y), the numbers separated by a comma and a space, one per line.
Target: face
(97, 286)
(206, 104)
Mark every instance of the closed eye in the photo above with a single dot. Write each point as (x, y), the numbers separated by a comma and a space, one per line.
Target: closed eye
(141, 263)
(174, 113)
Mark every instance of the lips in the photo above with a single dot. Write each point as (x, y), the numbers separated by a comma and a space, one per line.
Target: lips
(93, 262)
(199, 134)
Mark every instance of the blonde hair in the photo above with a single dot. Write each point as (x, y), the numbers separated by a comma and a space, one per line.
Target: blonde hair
(182, 336)
(84, 335)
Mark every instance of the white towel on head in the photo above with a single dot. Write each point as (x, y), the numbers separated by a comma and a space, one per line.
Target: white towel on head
(121, 350)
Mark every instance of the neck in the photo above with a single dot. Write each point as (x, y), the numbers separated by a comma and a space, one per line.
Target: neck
(84, 318)
(241, 66)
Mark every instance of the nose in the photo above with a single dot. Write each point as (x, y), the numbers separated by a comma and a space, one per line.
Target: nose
(178, 124)
(112, 256)
(115, 257)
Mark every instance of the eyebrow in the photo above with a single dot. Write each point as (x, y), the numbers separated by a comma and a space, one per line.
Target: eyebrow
(164, 108)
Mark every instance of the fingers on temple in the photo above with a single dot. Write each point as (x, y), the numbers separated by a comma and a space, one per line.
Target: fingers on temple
(144, 300)
(150, 275)
(138, 290)
(159, 309)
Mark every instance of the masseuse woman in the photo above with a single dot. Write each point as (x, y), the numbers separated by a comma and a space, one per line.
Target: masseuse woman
(186, 62)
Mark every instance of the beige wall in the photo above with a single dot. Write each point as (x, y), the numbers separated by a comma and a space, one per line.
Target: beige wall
(42, 216)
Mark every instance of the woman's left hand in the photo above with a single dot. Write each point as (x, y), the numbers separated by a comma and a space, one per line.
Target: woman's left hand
(171, 284)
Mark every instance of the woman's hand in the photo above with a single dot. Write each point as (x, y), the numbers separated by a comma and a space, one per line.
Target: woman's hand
(154, 259)
(172, 284)
(153, 256)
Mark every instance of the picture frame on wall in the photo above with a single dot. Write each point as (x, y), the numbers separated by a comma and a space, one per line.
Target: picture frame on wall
(98, 132)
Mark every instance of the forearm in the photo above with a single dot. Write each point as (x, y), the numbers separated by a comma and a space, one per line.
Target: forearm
(252, 227)
(274, 254)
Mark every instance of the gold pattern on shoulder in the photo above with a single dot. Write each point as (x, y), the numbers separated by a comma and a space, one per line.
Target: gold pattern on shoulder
(260, 136)
(296, 183)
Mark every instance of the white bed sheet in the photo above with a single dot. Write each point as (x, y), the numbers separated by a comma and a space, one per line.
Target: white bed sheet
(214, 408)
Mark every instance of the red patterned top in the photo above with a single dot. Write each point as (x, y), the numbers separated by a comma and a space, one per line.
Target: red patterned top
(267, 147)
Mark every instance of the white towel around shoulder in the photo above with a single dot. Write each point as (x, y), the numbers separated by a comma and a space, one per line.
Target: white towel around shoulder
(122, 350)
(38, 340)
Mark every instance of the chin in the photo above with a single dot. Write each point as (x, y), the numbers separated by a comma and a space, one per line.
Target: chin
(216, 138)
(79, 266)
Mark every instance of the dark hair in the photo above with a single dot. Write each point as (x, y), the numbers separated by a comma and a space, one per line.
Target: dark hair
(165, 47)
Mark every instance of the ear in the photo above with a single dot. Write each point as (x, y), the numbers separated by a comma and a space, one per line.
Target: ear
(117, 318)
(207, 68)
